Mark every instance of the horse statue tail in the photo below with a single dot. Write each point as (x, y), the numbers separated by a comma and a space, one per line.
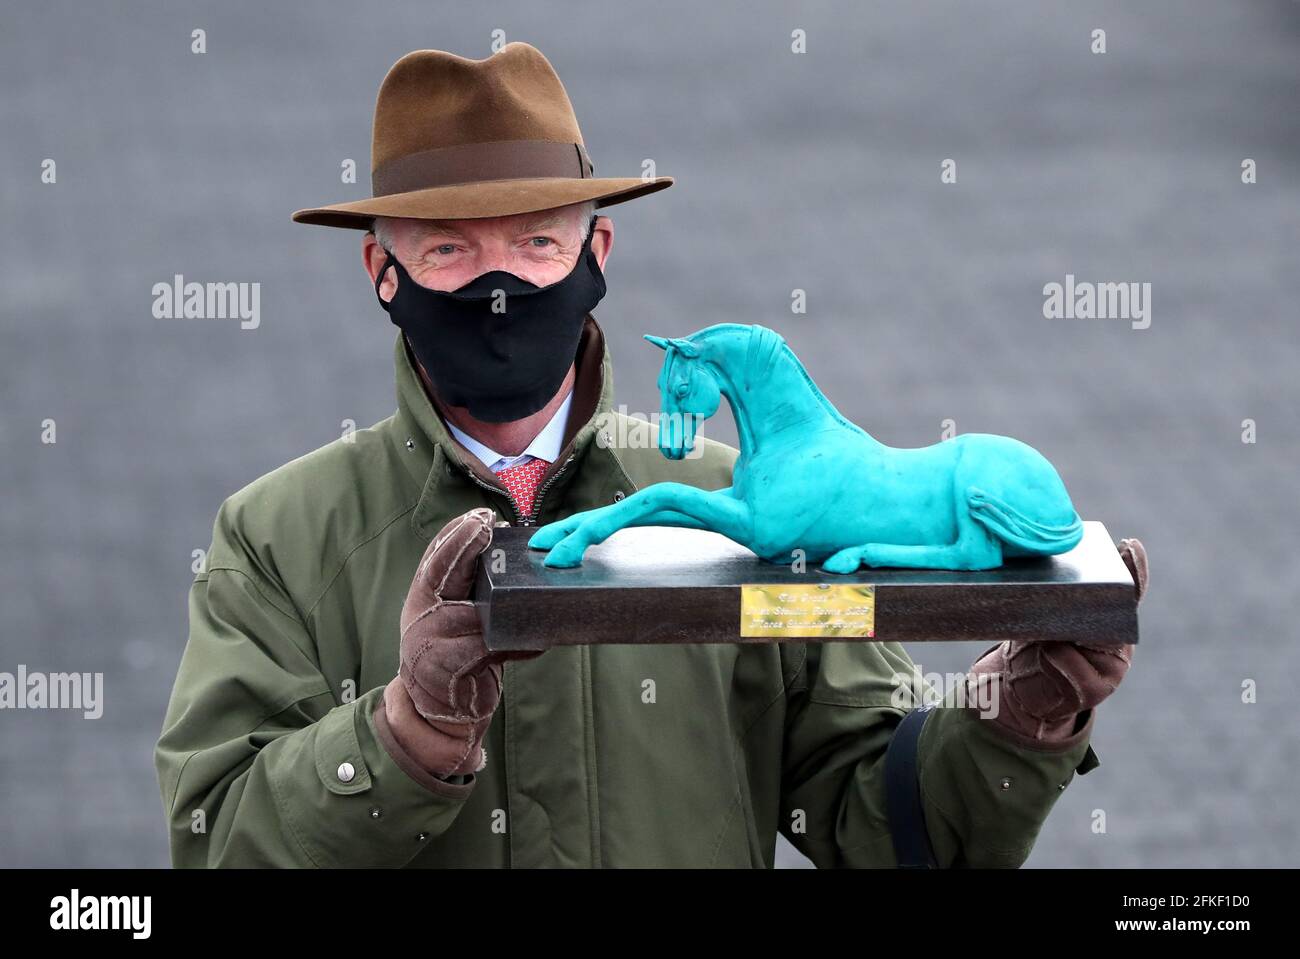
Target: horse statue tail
(1027, 534)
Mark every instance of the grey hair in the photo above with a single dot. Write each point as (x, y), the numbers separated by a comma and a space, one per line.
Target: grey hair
(381, 227)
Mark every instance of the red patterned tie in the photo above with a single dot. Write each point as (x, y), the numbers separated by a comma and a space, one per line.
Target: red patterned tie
(522, 482)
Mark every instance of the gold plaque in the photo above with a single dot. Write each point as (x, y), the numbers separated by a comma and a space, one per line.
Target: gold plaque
(808, 609)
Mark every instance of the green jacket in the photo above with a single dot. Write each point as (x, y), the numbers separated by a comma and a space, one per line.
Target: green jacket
(294, 634)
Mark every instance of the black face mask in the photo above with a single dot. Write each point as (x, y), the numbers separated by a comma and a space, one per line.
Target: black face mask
(502, 365)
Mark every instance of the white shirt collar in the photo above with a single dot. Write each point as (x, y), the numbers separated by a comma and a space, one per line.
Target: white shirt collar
(545, 445)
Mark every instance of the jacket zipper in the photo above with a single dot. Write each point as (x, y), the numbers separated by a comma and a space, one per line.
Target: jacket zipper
(496, 489)
(537, 498)
(520, 519)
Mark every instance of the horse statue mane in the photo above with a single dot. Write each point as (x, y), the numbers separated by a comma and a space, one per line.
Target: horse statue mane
(810, 483)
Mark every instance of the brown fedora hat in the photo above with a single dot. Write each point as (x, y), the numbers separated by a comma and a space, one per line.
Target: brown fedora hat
(461, 139)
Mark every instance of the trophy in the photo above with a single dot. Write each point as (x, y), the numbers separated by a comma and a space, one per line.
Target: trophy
(825, 533)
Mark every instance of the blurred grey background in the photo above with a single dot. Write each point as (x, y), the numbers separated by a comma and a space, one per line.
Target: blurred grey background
(818, 171)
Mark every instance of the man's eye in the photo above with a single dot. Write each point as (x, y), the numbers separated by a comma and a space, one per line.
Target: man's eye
(545, 241)
(446, 249)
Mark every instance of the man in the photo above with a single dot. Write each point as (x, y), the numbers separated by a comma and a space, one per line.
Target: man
(336, 706)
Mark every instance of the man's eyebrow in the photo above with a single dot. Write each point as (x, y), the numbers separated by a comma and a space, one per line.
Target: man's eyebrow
(435, 227)
(553, 219)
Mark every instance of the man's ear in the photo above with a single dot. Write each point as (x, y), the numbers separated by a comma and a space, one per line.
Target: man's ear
(602, 240)
(373, 257)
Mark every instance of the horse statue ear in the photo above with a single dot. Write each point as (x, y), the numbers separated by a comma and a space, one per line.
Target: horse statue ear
(683, 346)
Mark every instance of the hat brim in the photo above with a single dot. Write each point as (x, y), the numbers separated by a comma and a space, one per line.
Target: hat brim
(483, 199)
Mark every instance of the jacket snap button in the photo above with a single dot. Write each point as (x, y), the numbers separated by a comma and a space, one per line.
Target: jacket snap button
(375, 812)
(618, 495)
(1005, 784)
(410, 444)
(346, 772)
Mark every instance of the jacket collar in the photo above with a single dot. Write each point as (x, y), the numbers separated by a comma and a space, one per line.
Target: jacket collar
(436, 459)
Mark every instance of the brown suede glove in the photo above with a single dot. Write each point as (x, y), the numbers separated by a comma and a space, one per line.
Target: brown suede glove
(1044, 689)
(437, 710)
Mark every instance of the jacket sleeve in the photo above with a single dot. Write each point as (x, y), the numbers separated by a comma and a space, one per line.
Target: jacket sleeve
(259, 762)
(984, 797)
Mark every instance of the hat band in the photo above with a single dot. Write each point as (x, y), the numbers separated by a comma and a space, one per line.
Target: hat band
(473, 162)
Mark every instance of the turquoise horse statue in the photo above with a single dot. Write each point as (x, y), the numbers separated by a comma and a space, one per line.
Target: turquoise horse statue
(809, 484)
